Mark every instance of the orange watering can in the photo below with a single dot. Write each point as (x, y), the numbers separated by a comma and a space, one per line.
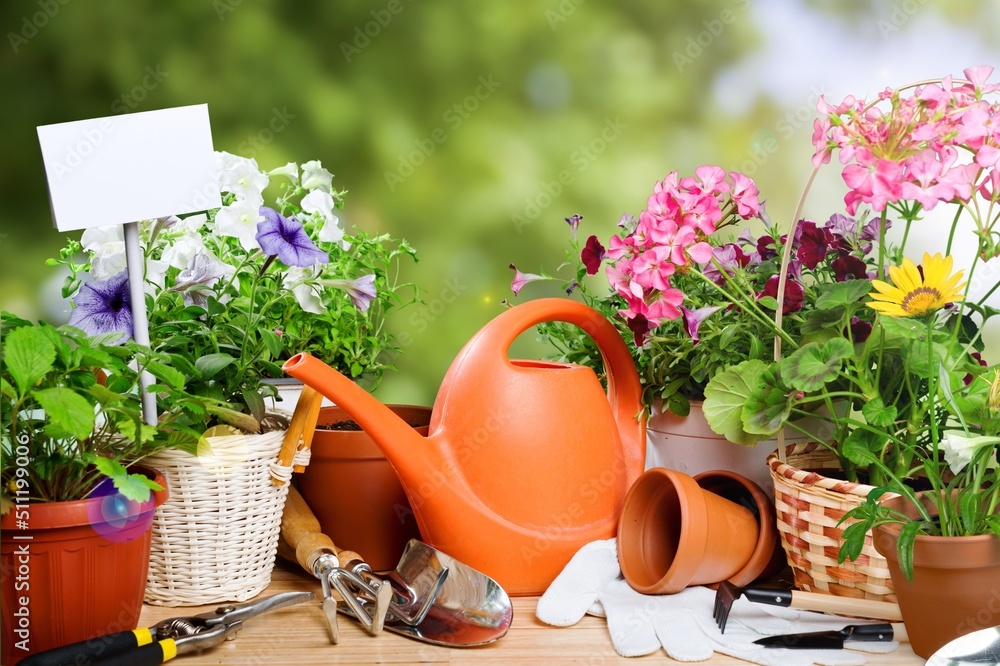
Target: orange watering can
(524, 461)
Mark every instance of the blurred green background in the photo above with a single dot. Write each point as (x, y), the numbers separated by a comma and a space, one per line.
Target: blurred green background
(613, 95)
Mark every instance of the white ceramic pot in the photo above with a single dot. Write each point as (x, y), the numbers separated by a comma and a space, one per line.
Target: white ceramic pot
(687, 444)
(289, 390)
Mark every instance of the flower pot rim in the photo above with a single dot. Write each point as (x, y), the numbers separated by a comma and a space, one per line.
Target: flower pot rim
(53, 515)
(892, 530)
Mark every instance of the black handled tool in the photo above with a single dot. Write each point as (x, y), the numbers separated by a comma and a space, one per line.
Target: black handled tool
(167, 639)
(834, 640)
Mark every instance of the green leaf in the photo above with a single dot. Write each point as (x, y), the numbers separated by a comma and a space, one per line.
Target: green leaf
(136, 487)
(273, 343)
(968, 507)
(854, 541)
(244, 422)
(67, 411)
(904, 548)
(813, 365)
(28, 354)
(768, 407)
(165, 373)
(725, 396)
(877, 414)
(860, 447)
(254, 403)
(842, 294)
(210, 365)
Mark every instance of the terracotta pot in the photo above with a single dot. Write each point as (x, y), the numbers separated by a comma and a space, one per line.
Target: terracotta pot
(956, 582)
(77, 571)
(673, 533)
(354, 491)
(768, 557)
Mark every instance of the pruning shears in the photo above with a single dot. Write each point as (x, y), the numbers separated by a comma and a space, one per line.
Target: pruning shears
(167, 639)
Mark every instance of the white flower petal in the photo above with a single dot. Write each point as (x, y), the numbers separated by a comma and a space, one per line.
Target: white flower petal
(315, 177)
(108, 260)
(239, 220)
(96, 237)
(290, 171)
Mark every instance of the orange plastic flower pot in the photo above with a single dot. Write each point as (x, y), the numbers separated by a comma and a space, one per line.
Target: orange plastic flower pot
(673, 533)
(73, 570)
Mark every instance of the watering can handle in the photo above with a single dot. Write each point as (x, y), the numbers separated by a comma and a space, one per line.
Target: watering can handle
(624, 388)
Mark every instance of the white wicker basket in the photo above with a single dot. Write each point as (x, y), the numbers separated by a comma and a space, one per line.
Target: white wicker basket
(215, 539)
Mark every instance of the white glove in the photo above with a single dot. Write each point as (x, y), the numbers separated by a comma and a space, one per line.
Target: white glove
(682, 623)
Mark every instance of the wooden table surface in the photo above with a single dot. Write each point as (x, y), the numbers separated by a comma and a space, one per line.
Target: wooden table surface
(298, 635)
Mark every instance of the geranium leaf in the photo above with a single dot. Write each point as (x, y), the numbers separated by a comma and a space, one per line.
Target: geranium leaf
(842, 294)
(859, 447)
(67, 411)
(877, 414)
(211, 364)
(768, 407)
(136, 487)
(725, 396)
(813, 365)
(28, 354)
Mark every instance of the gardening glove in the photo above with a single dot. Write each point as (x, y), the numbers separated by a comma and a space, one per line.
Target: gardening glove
(681, 623)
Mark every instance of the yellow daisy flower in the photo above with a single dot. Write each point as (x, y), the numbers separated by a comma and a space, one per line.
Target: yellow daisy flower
(911, 295)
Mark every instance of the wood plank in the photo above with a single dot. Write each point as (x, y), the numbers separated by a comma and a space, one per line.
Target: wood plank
(298, 635)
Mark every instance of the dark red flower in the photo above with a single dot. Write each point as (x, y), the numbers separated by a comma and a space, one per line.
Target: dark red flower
(860, 330)
(592, 255)
(639, 326)
(794, 294)
(849, 267)
(765, 248)
(979, 357)
(814, 242)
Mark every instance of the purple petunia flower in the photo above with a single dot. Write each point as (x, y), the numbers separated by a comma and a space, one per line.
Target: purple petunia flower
(574, 223)
(693, 319)
(813, 243)
(285, 238)
(361, 291)
(849, 268)
(104, 306)
(521, 279)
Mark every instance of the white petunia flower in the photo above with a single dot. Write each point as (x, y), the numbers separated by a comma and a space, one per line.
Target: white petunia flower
(156, 273)
(242, 177)
(290, 171)
(179, 253)
(315, 177)
(321, 203)
(108, 259)
(959, 449)
(305, 289)
(96, 237)
(239, 220)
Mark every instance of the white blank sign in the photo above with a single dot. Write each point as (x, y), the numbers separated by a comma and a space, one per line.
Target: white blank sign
(130, 167)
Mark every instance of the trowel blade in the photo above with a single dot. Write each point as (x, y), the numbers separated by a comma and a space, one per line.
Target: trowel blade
(470, 608)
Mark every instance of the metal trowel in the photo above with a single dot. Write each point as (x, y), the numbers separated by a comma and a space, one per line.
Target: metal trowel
(430, 597)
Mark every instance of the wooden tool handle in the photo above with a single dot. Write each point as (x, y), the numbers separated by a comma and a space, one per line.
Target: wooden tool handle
(303, 422)
(828, 603)
(301, 531)
(314, 401)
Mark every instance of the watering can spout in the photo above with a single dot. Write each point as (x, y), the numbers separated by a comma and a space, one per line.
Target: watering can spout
(397, 439)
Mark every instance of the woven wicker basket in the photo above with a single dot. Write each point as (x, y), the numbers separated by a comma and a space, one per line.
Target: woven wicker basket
(809, 505)
(215, 539)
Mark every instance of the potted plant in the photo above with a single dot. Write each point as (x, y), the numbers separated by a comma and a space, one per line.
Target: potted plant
(77, 507)
(231, 293)
(695, 291)
(916, 383)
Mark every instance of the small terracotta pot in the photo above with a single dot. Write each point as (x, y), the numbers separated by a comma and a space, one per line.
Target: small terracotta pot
(77, 571)
(354, 491)
(768, 557)
(956, 582)
(673, 533)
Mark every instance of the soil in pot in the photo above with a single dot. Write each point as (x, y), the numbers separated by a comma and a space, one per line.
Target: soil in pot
(354, 491)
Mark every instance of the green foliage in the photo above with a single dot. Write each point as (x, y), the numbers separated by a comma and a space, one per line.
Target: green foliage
(814, 365)
(726, 396)
(62, 431)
